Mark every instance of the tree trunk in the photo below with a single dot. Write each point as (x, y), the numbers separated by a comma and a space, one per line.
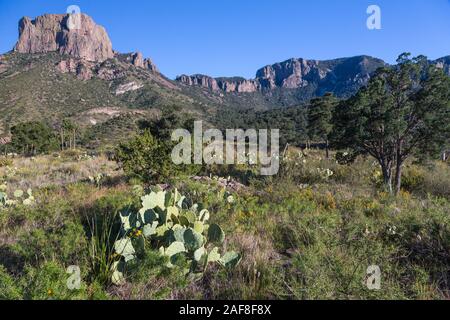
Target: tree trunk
(398, 169)
(327, 149)
(387, 177)
(398, 177)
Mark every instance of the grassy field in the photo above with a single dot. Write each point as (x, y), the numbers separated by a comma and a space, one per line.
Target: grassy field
(309, 233)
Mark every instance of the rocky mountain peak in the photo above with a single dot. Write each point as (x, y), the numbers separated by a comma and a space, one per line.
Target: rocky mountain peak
(50, 33)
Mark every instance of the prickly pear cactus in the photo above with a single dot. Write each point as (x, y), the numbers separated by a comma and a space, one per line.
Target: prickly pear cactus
(166, 219)
(19, 197)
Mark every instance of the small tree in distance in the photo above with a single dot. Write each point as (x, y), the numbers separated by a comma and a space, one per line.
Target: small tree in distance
(319, 119)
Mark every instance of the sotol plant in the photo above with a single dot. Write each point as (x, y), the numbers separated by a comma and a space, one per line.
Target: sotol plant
(178, 230)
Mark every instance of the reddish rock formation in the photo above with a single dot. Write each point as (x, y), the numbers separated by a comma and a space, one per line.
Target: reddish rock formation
(50, 33)
(82, 69)
(138, 61)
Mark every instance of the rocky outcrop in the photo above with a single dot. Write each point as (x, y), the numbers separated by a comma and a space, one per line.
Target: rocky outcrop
(290, 74)
(50, 33)
(3, 64)
(127, 87)
(199, 80)
(220, 84)
(81, 69)
(137, 60)
(444, 63)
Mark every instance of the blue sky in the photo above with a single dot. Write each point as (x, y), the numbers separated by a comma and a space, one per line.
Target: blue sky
(236, 37)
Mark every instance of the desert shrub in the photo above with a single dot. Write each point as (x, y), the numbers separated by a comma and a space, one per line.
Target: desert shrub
(151, 278)
(66, 244)
(413, 178)
(71, 154)
(432, 178)
(5, 162)
(301, 235)
(306, 168)
(148, 158)
(49, 282)
(8, 287)
(437, 180)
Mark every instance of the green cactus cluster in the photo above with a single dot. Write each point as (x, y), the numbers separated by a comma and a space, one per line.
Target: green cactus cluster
(178, 229)
(19, 197)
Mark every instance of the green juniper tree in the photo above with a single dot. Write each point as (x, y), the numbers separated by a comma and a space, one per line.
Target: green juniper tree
(403, 110)
(146, 157)
(319, 119)
(31, 138)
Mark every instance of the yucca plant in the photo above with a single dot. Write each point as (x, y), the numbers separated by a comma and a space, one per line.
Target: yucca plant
(103, 232)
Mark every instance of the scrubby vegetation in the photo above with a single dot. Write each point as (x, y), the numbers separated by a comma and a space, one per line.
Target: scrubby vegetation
(309, 233)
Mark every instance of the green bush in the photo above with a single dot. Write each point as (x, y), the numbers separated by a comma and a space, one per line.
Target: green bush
(147, 158)
(49, 282)
(8, 286)
(413, 178)
(66, 243)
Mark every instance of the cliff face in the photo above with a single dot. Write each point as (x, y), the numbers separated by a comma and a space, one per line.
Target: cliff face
(320, 76)
(50, 33)
(291, 74)
(238, 85)
(220, 84)
(199, 80)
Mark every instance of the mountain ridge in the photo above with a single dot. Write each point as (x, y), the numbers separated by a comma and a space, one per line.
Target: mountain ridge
(292, 73)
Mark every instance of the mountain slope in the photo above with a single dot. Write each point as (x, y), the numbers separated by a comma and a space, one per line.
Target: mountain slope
(34, 87)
